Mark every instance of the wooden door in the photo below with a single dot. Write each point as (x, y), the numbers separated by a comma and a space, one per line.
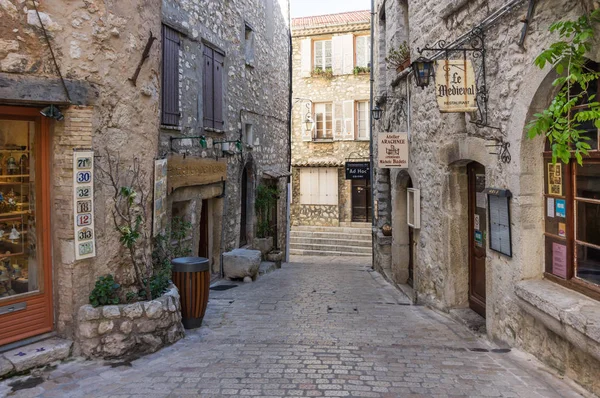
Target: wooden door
(25, 261)
(361, 200)
(477, 237)
(203, 250)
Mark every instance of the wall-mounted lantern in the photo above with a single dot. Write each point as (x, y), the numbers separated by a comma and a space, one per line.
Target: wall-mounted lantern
(423, 69)
(376, 112)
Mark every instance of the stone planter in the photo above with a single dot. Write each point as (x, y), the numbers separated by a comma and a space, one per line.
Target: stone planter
(275, 256)
(265, 245)
(114, 331)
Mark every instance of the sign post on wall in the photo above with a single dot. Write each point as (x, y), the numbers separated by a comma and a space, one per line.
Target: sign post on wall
(83, 204)
(455, 85)
(499, 220)
(392, 151)
(358, 170)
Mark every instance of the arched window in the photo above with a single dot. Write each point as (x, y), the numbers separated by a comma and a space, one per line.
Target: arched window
(572, 219)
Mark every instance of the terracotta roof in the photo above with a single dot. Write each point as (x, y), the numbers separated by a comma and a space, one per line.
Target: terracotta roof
(333, 19)
(319, 162)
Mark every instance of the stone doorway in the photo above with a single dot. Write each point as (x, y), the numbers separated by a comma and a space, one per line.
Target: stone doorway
(403, 236)
(477, 237)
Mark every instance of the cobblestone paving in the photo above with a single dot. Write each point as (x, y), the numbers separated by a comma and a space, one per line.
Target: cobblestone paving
(319, 327)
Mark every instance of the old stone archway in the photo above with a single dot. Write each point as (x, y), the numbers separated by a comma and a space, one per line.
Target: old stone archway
(247, 186)
(402, 237)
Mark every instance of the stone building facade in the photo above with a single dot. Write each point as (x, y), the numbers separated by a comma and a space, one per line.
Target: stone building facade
(232, 90)
(113, 101)
(448, 262)
(331, 60)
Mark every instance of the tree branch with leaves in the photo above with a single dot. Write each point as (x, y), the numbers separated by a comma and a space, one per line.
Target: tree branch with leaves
(560, 123)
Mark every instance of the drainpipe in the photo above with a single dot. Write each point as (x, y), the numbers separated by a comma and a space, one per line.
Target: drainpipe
(373, 236)
(289, 179)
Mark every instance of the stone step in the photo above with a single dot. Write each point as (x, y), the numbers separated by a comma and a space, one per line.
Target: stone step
(266, 267)
(301, 252)
(355, 225)
(342, 230)
(349, 250)
(294, 240)
(34, 355)
(330, 235)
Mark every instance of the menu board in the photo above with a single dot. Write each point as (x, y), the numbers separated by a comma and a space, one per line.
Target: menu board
(500, 236)
(83, 203)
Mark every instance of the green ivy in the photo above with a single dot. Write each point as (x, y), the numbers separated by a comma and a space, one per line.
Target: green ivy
(265, 201)
(361, 70)
(105, 291)
(557, 123)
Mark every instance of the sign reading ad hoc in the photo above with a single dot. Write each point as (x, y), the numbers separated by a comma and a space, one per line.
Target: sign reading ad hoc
(358, 171)
(392, 151)
(455, 85)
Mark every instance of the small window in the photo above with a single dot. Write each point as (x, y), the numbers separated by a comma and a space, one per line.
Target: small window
(212, 88)
(249, 44)
(249, 134)
(362, 120)
(363, 51)
(324, 121)
(170, 113)
(319, 186)
(322, 52)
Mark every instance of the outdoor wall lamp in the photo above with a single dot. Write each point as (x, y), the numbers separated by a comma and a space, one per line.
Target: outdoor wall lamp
(52, 112)
(225, 145)
(376, 112)
(201, 139)
(309, 123)
(422, 68)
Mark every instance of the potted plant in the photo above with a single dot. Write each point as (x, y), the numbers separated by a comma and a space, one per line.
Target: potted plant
(326, 73)
(265, 202)
(399, 58)
(361, 70)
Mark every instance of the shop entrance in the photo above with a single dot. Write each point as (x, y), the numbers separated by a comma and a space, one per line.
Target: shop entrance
(203, 247)
(25, 264)
(477, 237)
(361, 200)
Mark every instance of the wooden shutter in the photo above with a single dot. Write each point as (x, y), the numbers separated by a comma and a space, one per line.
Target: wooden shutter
(170, 77)
(348, 120)
(307, 135)
(218, 72)
(306, 57)
(338, 121)
(348, 54)
(207, 88)
(338, 55)
(213, 88)
(328, 186)
(304, 186)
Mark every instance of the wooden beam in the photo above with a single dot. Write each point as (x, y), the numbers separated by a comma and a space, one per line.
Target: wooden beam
(26, 89)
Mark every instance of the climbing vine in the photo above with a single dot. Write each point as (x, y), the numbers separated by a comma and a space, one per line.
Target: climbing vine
(559, 123)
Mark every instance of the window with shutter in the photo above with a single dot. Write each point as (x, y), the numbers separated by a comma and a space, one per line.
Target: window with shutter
(170, 113)
(348, 120)
(213, 88)
(319, 186)
(323, 54)
(363, 51)
(362, 127)
(324, 120)
(338, 121)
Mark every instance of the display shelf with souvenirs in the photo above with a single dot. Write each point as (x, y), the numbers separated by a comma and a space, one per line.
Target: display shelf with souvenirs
(18, 253)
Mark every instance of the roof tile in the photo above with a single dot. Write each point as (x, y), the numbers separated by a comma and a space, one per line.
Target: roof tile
(333, 19)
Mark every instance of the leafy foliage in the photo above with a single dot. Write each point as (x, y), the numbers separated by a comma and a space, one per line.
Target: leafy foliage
(361, 70)
(105, 291)
(560, 123)
(266, 200)
(326, 73)
(397, 56)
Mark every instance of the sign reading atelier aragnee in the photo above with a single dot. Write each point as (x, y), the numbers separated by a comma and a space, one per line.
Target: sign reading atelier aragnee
(456, 90)
(83, 203)
(358, 170)
(392, 151)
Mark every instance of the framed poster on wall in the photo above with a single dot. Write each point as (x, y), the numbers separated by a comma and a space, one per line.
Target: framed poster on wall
(499, 220)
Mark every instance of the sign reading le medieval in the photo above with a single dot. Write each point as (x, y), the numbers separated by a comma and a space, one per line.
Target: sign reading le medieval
(456, 90)
(393, 151)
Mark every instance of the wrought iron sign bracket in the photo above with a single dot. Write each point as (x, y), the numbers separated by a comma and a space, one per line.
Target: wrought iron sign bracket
(475, 45)
(501, 150)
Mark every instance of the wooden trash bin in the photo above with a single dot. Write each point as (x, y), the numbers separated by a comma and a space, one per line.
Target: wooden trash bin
(191, 275)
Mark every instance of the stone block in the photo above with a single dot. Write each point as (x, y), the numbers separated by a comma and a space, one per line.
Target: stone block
(240, 263)
(116, 345)
(5, 366)
(105, 326)
(144, 325)
(172, 307)
(126, 326)
(265, 245)
(133, 311)
(151, 343)
(39, 354)
(88, 313)
(154, 309)
(175, 333)
(88, 329)
(111, 311)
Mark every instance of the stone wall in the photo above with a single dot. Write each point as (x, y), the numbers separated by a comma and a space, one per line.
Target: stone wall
(324, 153)
(114, 331)
(441, 145)
(98, 46)
(255, 93)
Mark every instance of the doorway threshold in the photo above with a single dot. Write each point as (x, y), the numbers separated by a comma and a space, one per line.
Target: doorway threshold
(470, 319)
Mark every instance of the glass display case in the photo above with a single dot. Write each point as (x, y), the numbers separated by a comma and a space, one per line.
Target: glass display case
(18, 266)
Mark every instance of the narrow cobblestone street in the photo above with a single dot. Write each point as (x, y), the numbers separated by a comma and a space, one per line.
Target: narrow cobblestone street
(317, 327)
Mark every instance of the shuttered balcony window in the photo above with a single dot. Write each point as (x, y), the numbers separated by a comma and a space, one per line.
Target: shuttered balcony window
(213, 88)
(170, 77)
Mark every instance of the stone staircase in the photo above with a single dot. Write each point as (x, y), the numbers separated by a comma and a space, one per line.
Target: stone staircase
(349, 239)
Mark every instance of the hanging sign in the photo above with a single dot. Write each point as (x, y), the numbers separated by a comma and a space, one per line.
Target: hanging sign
(555, 179)
(393, 151)
(499, 214)
(160, 197)
(456, 90)
(83, 203)
(358, 170)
